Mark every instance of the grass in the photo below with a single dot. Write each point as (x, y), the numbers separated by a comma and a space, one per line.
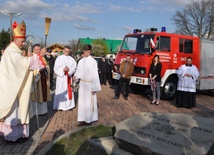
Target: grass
(77, 143)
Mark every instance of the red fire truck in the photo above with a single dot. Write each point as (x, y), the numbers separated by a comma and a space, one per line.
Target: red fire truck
(173, 50)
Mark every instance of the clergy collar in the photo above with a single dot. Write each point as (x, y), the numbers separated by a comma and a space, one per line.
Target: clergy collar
(189, 65)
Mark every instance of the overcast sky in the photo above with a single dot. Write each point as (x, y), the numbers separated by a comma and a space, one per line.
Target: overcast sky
(74, 19)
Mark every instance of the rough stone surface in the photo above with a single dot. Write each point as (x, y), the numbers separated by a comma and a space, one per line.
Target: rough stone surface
(165, 133)
(109, 145)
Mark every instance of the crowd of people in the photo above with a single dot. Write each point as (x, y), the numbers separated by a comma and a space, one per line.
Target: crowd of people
(30, 76)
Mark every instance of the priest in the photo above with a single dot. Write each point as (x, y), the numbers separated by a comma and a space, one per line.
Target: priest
(15, 86)
(87, 73)
(64, 68)
(186, 91)
(41, 87)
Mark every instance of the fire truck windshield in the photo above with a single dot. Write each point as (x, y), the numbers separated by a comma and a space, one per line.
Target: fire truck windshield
(137, 43)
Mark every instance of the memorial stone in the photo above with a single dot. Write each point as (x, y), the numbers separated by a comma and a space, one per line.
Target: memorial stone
(166, 134)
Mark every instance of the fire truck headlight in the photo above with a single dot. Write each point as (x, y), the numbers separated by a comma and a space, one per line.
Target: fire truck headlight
(142, 71)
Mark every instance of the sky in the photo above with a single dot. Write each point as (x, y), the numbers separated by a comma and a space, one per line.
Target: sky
(74, 19)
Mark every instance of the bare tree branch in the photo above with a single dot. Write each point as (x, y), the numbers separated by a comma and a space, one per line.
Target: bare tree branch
(197, 18)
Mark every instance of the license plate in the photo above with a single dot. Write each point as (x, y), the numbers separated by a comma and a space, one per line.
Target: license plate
(138, 80)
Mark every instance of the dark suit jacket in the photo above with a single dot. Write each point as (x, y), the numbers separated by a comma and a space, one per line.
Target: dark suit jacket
(51, 62)
(103, 66)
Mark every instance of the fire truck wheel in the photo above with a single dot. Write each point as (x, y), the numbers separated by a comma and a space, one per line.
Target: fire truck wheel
(211, 92)
(168, 91)
(138, 89)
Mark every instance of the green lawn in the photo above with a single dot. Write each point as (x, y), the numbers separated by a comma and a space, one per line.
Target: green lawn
(77, 143)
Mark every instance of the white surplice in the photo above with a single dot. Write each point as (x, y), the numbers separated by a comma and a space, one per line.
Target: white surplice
(89, 81)
(187, 84)
(61, 100)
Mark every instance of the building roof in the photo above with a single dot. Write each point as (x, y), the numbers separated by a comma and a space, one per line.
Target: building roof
(56, 47)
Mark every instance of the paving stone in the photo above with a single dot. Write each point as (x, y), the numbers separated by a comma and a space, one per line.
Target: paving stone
(19, 154)
(8, 154)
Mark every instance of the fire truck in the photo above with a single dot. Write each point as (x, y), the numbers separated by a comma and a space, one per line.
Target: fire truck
(173, 50)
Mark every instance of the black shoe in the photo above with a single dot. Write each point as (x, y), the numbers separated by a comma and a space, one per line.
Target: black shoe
(88, 124)
(115, 97)
(81, 124)
(21, 140)
(126, 98)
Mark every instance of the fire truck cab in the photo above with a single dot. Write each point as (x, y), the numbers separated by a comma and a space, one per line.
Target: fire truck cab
(173, 50)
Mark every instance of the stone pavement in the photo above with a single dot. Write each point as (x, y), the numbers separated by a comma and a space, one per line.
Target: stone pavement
(56, 123)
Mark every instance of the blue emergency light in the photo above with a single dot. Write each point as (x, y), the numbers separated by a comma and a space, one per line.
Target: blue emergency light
(163, 29)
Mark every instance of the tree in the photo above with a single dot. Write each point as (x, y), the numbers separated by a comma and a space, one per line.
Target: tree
(73, 45)
(99, 47)
(4, 38)
(197, 18)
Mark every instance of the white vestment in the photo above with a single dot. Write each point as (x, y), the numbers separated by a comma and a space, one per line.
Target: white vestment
(187, 84)
(61, 100)
(15, 86)
(89, 81)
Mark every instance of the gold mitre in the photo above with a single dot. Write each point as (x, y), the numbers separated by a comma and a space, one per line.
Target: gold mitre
(19, 31)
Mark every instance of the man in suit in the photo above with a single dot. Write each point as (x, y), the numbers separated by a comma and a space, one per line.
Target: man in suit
(50, 60)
